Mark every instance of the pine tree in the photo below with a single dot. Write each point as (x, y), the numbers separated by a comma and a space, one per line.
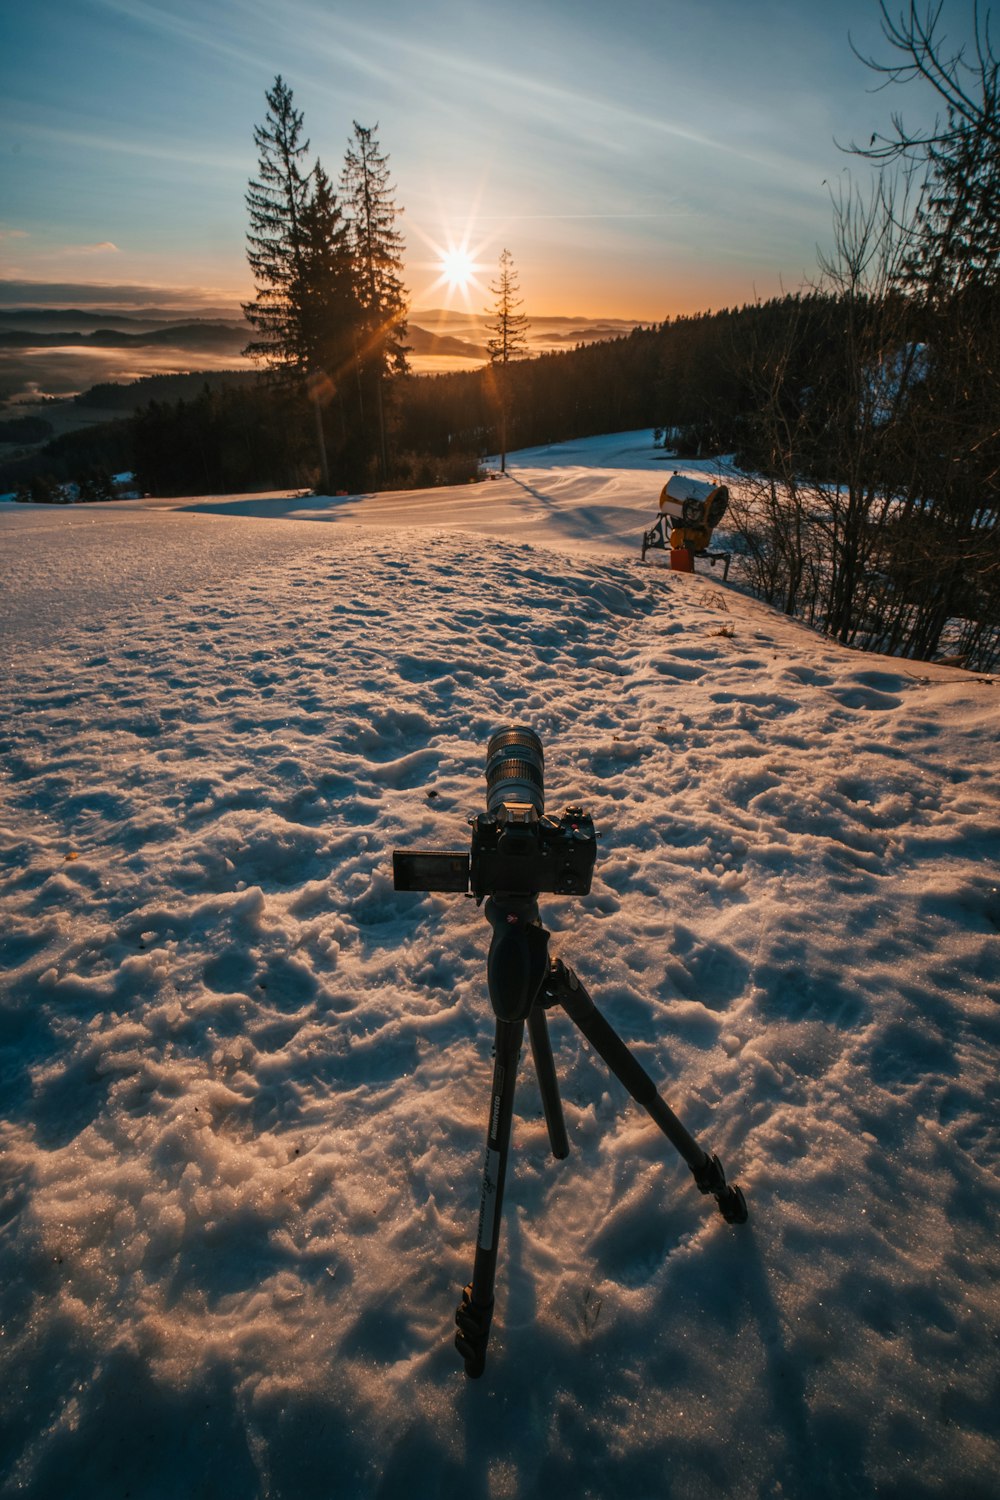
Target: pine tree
(324, 297)
(377, 248)
(278, 200)
(308, 309)
(958, 227)
(507, 341)
(327, 311)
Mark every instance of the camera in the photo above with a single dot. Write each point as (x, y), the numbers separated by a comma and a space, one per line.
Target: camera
(516, 852)
(516, 849)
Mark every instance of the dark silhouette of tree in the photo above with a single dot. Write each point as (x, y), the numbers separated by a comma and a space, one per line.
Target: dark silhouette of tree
(507, 340)
(277, 199)
(956, 230)
(953, 273)
(377, 248)
(330, 305)
(328, 311)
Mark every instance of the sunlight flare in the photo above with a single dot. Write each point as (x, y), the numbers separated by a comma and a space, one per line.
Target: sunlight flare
(457, 268)
(457, 265)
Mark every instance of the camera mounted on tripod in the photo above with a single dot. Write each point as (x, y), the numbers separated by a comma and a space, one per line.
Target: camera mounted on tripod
(516, 852)
(516, 849)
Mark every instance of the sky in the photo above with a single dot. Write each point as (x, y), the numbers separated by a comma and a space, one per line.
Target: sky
(638, 160)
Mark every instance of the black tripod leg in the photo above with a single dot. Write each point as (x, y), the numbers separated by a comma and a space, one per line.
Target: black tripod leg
(564, 988)
(545, 1068)
(476, 1311)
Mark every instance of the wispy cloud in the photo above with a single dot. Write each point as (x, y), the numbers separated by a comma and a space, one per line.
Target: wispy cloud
(25, 293)
(582, 113)
(193, 31)
(13, 234)
(180, 154)
(104, 248)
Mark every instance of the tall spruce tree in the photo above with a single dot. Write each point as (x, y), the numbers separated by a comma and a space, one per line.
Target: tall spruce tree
(277, 199)
(377, 248)
(327, 312)
(507, 340)
(958, 228)
(307, 310)
(325, 295)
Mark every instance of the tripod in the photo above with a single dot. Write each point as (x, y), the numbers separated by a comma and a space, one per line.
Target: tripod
(523, 983)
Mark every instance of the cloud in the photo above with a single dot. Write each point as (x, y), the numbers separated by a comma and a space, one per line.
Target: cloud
(13, 234)
(108, 295)
(171, 151)
(102, 248)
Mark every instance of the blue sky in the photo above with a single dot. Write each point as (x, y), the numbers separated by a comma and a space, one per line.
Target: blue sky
(639, 159)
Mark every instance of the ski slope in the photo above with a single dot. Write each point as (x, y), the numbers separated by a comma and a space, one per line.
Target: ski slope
(245, 1082)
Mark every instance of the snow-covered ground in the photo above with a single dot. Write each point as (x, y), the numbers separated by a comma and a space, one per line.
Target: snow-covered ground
(245, 1083)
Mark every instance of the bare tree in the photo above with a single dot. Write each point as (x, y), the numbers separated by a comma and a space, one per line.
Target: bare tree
(957, 228)
(877, 429)
(953, 268)
(507, 340)
(831, 384)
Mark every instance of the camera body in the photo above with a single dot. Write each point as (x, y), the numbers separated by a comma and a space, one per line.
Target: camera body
(516, 849)
(517, 852)
(513, 851)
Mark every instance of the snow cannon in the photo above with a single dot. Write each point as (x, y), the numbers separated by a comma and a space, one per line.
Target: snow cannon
(690, 510)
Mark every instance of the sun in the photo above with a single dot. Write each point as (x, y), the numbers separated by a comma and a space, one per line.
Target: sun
(457, 267)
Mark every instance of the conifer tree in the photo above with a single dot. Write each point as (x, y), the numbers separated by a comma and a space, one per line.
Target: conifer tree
(507, 340)
(307, 311)
(277, 199)
(953, 276)
(378, 259)
(327, 311)
(325, 296)
(958, 229)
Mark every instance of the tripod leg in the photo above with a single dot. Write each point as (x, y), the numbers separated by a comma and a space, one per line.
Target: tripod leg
(545, 1068)
(564, 988)
(476, 1310)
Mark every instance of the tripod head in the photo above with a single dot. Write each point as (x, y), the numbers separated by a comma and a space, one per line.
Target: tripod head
(516, 851)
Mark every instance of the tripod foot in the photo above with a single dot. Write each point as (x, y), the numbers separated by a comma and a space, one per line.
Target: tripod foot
(733, 1205)
(712, 1179)
(473, 1333)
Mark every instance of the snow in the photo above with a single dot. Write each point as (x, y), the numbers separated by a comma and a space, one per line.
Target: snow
(246, 1083)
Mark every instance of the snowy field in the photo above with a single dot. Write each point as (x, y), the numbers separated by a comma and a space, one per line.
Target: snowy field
(245, 1083)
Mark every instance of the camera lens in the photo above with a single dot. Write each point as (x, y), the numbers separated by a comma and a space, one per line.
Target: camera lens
(514, 769)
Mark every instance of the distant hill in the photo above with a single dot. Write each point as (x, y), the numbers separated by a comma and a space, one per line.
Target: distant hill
(422, 341)
(192, 336)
